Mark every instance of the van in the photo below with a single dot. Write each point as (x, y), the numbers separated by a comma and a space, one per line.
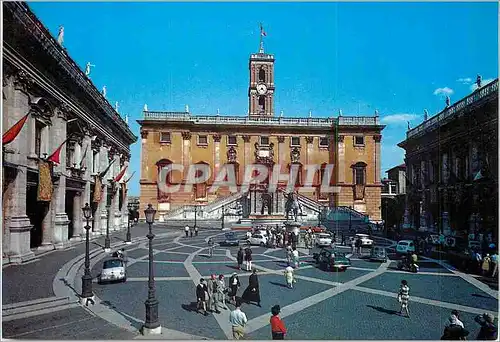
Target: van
(405, 246)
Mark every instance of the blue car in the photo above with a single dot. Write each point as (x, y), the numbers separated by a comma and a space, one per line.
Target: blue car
(230, 239)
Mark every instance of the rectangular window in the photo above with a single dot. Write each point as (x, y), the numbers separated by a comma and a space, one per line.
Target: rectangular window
(231, 140)
(202, 140)
(95, 161)
(264, 141)
(359, 140)
(323, 142)
(295, 141)
(393, 189)
(359, 174)
(38, 137)
(165, 137)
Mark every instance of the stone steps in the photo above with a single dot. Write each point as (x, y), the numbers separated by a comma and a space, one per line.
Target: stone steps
(35, 307)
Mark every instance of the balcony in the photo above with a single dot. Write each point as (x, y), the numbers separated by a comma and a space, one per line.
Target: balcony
(257, 121)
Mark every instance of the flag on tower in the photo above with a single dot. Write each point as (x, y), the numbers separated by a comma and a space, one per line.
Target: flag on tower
(13, 132)
(262, 32)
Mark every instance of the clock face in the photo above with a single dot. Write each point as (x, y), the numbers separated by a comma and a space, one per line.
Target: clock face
(261, 89)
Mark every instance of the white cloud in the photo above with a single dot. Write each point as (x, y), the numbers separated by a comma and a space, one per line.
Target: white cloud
(443, 91)
(465, 80)
(483, 83)
(399, 118)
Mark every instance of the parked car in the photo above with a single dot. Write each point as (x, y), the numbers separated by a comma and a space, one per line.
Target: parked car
(329, 259)
(378, 254)
(323, 240)
(230, 239)
(112, 270)
(405, 246)
(365, 240)
(258, 239)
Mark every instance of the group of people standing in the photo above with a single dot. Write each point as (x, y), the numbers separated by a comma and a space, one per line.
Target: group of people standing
(190, 231)
(487, 266)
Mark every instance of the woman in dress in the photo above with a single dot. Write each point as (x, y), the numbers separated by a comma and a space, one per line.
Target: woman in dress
(289, 277)
(222, 290)
(252, 293)
(239, 257)
(404, 297)
(234, 284)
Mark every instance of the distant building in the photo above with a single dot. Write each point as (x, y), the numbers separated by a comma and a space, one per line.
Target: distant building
(452, 167)
(393, 196)
(133, 203)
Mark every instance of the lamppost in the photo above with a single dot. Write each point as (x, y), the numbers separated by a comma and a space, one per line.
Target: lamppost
(151, 325)
(128, 239)
(107, 247)
(87, 277)
(350, 221)
(195, 214)
(223, 217)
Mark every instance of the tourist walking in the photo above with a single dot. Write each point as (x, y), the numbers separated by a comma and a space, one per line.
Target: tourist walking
(222, 290)
(191, 232)
(186, 230)
(404, 297)
(196, 231)
(239, 257)
(485, 266)
(358, 246)
(234, 285)
(454, 328)
(211, 246)
(494, 264)
(353, 245)
(252, 293)
(479, 259)
(288, 254)
(213, 298)
(289, 277)
(238, 320)
(295, 255)
(278, 329)
(202, 296)
(489, 331)
(248, 258)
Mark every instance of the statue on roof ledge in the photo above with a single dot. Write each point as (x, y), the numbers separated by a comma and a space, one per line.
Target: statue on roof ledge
(145, 107)
(60, 35)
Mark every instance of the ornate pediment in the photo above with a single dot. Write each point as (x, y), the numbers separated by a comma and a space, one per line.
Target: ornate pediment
(232, 155)
(264, 154)
(295, 155)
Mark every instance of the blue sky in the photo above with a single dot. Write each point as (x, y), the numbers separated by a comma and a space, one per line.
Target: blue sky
(399, 58)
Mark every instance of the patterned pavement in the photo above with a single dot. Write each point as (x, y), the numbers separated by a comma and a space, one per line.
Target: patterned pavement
(357, 304)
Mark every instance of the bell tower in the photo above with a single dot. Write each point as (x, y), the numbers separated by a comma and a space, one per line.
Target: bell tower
(261, 86)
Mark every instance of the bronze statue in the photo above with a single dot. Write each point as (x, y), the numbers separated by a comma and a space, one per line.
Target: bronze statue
(292, 205)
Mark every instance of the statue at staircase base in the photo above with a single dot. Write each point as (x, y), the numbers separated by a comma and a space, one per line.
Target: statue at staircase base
(293, 226)
(292, 205)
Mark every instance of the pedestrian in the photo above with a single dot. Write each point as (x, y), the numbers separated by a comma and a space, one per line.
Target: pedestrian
(494, 264)
(454, 328)
(249, 235)
(196, 231)
(295, 255)
(191, 232)
(238, 320)
(404, 297)
(211, 246)
(252, 293)
(278, 329)
(289, 254)
(202, 296)
(248, 258)
(213, 299)
(479, 259)
(353, 245)
(358, 246)
(485, 266)
(239, 257)
(222, 290)
(289, 277)
(234, 284)
(186, 230)
(489, 331)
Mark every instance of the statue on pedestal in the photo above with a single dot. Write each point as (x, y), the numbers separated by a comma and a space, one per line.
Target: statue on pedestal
(87, 69)
(292, 205)
(60, 35)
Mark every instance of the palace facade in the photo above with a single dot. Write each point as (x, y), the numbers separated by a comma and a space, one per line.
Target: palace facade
(350, 144)
(60, 137)
(452, 167)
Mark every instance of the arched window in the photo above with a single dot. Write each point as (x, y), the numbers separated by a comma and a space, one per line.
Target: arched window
(200, 189)
(262, 104)
(359, 173)
(262, 75)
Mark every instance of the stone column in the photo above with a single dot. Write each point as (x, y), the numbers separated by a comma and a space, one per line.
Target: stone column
(217, 161)
(77, 218)
(341, 159)
(378, 157)
(186, 150)
(17, 231)
(115, 201)
(102, 210)
(92, 176)
(144, 155)
(246, 141)
(61, 221)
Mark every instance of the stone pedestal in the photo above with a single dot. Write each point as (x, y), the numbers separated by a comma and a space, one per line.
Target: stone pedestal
(61, 230)
(20, 251)
(293, 226)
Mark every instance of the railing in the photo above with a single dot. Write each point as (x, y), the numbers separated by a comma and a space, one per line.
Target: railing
(222, 201)
(272, 121)
(448, 112)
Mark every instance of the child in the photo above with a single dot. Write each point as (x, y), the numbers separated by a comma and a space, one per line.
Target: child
(404, 297)
(289, 277)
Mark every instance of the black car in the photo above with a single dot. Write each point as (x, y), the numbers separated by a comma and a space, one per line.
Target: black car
(330, 259)
(230, 239)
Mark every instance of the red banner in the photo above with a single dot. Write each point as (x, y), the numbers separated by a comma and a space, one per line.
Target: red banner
(13, 132)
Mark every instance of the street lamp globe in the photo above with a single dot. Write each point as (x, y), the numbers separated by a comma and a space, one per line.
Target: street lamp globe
(87, 211)
(150, 214)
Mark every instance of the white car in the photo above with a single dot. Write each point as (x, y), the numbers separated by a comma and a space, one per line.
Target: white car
(405, 246)
(113, 270)
(262, 232)
(323, 240)
(258, 239)
(365, 240)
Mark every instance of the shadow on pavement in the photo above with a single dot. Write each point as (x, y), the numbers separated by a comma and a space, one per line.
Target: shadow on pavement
(233, 267)
(278, 284)
(69, 285)
(191, 307)
(380, 309)
(133, 322)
